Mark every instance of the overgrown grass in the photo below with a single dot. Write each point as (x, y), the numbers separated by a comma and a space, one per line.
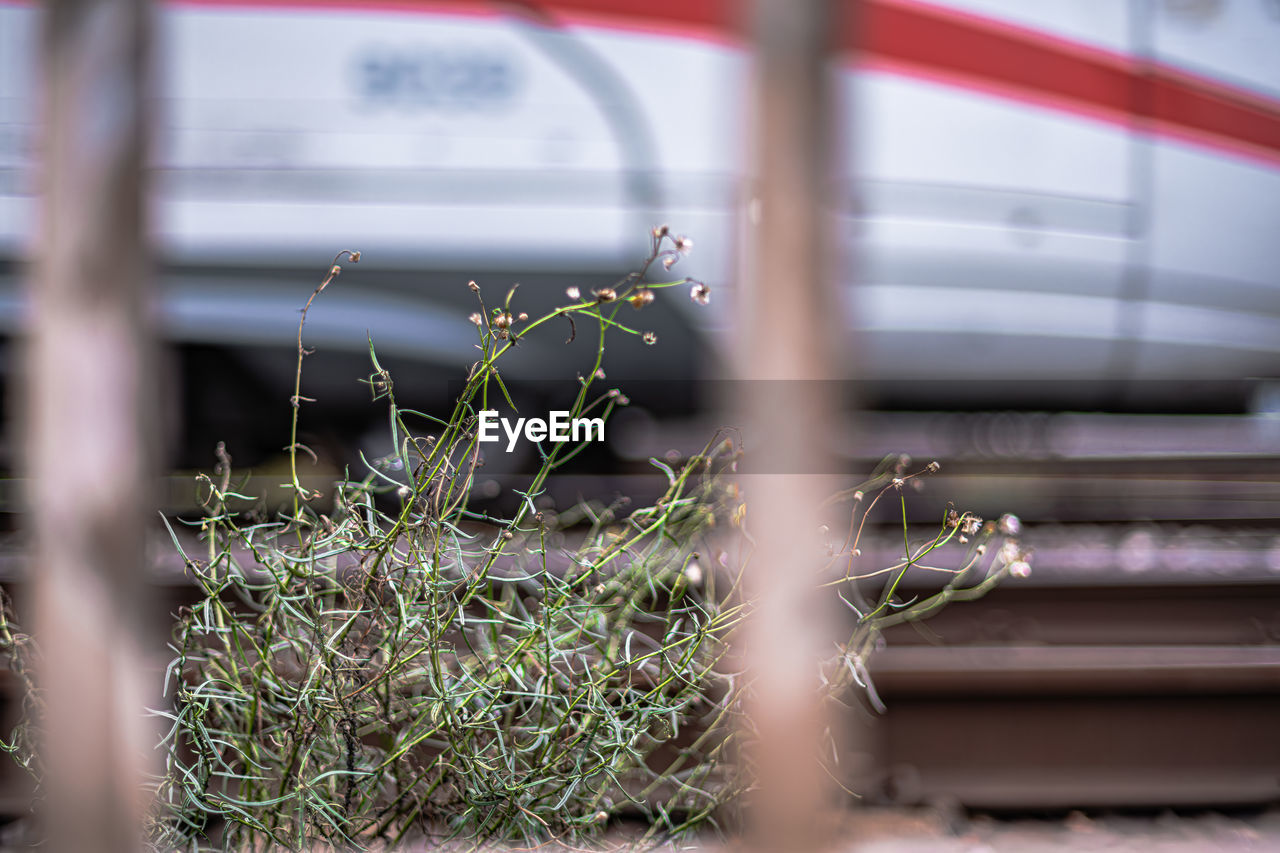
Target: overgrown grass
(388, 662)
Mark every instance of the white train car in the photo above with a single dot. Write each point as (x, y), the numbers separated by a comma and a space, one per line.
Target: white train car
(1035, 195)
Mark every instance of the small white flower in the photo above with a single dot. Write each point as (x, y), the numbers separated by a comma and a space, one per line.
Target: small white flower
(477, 319)
(684, 245)
(649, 338)
(1020, 569)
(700, 293)
(693, 573)
(1010, 525)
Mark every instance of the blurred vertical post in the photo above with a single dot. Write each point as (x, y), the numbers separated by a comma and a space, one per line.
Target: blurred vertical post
(89, 417)
(788, 359)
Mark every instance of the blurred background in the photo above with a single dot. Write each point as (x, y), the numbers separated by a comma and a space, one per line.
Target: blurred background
(1059, 275)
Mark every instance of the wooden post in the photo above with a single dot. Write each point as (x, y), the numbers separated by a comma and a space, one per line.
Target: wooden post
(789, 356)
(89, 420)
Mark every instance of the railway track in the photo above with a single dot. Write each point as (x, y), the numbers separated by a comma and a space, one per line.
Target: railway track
(1091, 685)
(1086, 685)
(1138, 665)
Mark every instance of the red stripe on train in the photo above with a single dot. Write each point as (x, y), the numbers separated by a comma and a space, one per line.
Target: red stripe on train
(954, 48)
(932, 42)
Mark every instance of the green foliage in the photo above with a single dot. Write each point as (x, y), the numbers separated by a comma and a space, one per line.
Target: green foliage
(372, 672)
(402, 664)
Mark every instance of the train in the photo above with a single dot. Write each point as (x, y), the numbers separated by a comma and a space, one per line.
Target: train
(1062, 204)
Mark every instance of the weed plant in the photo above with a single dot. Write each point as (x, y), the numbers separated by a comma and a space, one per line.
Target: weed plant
(389, 662)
